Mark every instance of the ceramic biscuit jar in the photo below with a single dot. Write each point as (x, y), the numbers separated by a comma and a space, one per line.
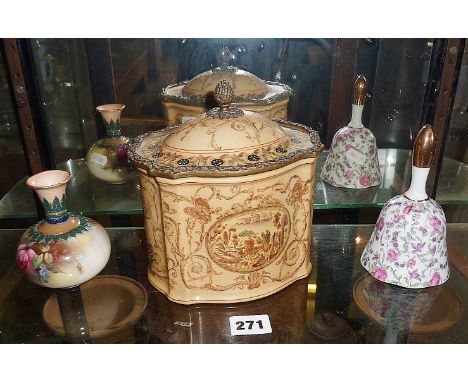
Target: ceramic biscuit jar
(187, 99)
(228, 203)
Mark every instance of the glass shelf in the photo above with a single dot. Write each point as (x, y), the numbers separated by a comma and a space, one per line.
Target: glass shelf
(91, 196)
(338, 303)
(85, 194)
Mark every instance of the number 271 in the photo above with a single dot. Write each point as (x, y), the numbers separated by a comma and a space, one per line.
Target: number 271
(241, 324)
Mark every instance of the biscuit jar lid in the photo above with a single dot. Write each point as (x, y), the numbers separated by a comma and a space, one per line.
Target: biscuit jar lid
(247, 87)
(225, 141)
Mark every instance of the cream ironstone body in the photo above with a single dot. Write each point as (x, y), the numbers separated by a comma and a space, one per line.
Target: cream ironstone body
(228, 202)
(187, 99)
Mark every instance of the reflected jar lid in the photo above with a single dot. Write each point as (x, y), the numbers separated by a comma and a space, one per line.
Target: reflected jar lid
(248, 88)
(225, 141)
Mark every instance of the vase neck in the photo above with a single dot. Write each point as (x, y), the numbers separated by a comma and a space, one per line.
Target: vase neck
(356, 116)
(50, 187)
(113, 129)
(110, 114)
(56, 209)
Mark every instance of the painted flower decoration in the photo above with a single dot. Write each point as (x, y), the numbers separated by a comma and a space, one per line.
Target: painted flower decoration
(380, 224)
(418, 247)
(365, 181)
(200, 211)
(435, 279)
(298, 191)
(408, 209)
(392, 255)
(412, 247)
(435, 223)
(379, 273)
(25, 257)
(122, 155)
(349, 174)
(414, 274)
(397, 218)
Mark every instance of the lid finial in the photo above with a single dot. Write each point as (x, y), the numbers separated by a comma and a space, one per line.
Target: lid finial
(224, 95)
(224, 56)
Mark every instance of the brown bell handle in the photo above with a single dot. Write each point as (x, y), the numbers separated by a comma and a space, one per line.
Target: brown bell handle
(360, 90)
(424, 147)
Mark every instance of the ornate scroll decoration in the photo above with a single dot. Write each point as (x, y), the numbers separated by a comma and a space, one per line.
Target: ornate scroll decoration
(158, 165)
(255, 232)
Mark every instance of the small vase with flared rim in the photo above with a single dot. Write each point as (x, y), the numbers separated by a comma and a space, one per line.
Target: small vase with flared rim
(107, 158)
(63, 250)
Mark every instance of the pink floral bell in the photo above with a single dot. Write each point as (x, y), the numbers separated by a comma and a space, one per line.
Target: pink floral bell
(353, 161)
(408, 245)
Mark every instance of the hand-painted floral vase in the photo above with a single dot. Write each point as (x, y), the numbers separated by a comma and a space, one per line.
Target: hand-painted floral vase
(107, 158)
(408, 245)
(353, 161)
(64, 250)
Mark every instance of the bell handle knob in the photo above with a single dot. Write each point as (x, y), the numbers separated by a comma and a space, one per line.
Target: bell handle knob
(360, 90)
(424, 147)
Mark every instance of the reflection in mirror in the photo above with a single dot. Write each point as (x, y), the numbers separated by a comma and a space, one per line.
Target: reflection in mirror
(397, 71)
(144, 67)
(62, 79)
(455, 162)
(13, 163)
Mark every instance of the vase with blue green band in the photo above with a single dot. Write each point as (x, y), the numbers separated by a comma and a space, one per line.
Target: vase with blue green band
(63, 250)
(107, 158)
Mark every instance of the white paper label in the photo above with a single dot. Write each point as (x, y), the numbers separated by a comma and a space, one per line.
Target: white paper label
(99, 159)
(355, 156)
(248, 325)
(183, 323)
(186, 118)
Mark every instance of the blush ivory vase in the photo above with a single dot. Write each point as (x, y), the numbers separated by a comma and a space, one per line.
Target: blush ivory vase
(228, 203)
(352, 161)
(107, 158)
(408, 245)
(64, 250)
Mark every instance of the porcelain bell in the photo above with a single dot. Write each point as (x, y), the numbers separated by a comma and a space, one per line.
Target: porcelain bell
(408, 245)
(353, 161)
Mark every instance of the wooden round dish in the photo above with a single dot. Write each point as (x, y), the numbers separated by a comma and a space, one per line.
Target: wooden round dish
(111, 304)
